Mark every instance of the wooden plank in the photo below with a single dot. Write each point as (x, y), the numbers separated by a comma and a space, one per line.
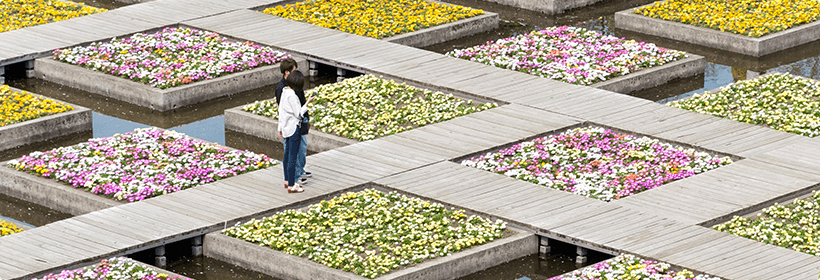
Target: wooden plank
(440, 151)
(634, 242)
(567, 212)
(639, 226)
(37, 257)
(586, 228)
(427, 174)
(118, 223)
(602, 231)
(700, 236)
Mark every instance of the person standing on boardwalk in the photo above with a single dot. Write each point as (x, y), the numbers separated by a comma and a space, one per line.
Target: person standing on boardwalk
(290, 114)
(286, 67)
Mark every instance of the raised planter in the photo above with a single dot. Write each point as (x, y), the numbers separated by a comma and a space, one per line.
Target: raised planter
(50, 193)
(446, 32)
(46, 127)
(286, 266)
(549, 7)
(155, 98)
(266, 128)
(63, 197)
(736, 43)
(655, 76)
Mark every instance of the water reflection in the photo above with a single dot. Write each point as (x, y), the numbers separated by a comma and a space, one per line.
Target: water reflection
(32, 215)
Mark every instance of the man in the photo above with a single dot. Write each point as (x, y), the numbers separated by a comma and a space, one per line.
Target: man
(286, 66)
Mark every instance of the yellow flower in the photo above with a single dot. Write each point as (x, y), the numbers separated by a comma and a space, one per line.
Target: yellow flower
(22, 106)
(16, 14)
(377, 19)
(752, 18)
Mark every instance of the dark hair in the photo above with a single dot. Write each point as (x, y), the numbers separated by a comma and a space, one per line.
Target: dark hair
(295, 80)
(287, 65)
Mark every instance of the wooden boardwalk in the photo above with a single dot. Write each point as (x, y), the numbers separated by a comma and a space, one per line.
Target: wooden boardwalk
(662, 224)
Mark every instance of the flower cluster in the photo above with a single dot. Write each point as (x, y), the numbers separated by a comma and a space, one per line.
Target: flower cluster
(597, 162)
(140, 164)
(7, 228)
(367, 107)
(20, 106)
(16, 14)
(377, 19)
(752, 18)
(370, 232)
(171, 57)
(779, 101)
(792, 226)
(118, 268)
(570, 54)
(631, 267)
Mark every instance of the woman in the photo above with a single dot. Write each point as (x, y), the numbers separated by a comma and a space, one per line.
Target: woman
(290, 114)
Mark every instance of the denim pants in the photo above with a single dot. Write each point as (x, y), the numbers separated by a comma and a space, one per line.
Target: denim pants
(300, 158)
(289, 161)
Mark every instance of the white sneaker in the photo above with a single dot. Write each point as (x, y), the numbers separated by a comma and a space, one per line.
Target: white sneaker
(307, 174)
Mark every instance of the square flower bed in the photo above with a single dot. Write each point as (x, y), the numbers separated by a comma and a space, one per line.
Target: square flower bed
(569, 54)
(370, 232)
(779, 101)
(16, 14)
(793, 226)
(753, 18)
(367, 107)
(597, 162)
(631, 267)
(20, 106)
(8, 228)
(113, 268)
(140, 164)
(171, 57)
(377, 19)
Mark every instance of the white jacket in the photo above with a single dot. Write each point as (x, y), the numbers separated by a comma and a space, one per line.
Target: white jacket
(290, 112)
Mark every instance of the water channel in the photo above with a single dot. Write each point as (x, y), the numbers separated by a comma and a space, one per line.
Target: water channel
(205, 121)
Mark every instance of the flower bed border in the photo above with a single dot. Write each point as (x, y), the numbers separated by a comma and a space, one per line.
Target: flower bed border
(54, 194)
(45, 127)
(144, 95)
(249, 123)
(282, 265)
(655, 76)
(448, 31)
(431, 35)
(746, 45)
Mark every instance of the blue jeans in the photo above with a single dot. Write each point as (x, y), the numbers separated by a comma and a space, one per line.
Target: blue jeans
(300, 157)
(289, 161)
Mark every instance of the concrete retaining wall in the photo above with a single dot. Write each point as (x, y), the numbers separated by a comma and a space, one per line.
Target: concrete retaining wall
(446, 32)
(549, 7)
(285, 266)
(45, 128)
(157, 99)
(266, 128)
(655, 76)
(50, 193)
(736, 43)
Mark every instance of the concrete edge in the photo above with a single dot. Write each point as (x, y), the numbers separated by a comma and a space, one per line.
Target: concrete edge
(50, 193)
(57, 195)
(737, 43)
(263, 127)
(147, 96)
(549, 7)
(655, 76)
(281, 265)
(46, 127)
(446, 32)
